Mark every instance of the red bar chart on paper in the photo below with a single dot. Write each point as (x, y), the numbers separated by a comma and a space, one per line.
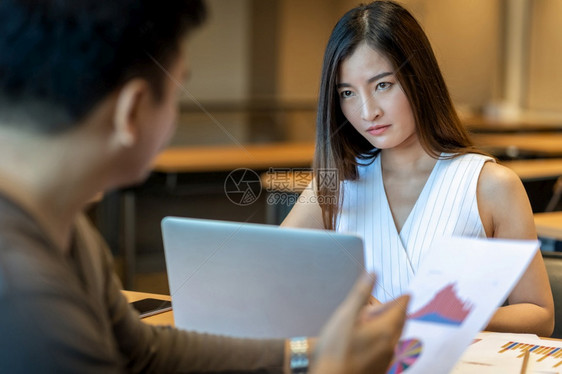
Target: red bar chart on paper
(445, 308)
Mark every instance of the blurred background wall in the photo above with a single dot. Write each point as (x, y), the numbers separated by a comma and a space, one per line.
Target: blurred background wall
(267, 54)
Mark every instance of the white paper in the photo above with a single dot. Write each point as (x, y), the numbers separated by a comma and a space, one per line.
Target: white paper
(453, 296)
(502, 351)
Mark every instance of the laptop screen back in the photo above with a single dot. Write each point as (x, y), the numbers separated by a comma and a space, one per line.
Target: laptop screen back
(253, 280)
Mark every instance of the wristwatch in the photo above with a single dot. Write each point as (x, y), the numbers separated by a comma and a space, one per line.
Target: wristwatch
(299, 355)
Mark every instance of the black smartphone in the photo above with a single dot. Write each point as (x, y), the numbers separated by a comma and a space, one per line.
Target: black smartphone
(149, 307)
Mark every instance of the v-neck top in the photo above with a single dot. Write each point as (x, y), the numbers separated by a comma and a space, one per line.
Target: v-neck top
(447, 206)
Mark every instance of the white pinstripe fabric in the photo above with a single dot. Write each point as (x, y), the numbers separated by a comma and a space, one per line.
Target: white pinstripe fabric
(447, 206)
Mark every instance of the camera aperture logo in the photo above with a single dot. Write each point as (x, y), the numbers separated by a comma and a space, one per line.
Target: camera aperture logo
(242, 186)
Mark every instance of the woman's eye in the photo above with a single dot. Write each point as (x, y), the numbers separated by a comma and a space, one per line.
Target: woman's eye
(346, 93)
(383, 85)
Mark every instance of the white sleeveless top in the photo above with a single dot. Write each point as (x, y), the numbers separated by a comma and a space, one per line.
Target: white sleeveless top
(446, 207)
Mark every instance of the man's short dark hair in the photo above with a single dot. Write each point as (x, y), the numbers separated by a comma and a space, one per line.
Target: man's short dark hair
(64, 56)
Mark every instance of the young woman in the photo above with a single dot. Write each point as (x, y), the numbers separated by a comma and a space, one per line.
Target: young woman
(407, 172)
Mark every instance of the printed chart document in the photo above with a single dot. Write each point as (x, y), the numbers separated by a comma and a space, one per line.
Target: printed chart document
(453, 296)
(496, 352)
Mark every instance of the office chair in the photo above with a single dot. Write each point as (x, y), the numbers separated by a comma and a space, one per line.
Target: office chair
(553, 262)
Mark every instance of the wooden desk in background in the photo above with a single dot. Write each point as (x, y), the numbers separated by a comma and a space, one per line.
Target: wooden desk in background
(549, 225)
(286, 155)
(545, 144)
(533, 169)
(525, 122)
(264, 156)
(166, 318)
(227, 158)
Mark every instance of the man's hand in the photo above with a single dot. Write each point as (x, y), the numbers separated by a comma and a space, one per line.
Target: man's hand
(355, 341)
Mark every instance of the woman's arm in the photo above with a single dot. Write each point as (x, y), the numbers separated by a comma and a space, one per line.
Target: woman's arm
(306, 213)
(506, 213)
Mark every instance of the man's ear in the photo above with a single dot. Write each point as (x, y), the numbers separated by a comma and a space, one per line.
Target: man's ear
(131, 100)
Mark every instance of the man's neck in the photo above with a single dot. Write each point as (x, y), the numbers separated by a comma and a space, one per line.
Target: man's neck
(43, 176)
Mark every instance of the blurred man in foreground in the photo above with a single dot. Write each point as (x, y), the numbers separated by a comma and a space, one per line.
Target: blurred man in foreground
(88, 93)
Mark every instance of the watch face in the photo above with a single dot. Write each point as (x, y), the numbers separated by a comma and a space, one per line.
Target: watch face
(299, 355)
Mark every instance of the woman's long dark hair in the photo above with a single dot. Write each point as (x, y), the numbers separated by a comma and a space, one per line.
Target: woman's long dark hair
(392, 31)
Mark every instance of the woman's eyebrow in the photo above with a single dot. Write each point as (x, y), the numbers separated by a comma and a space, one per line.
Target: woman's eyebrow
(379, 76)
(370, 80)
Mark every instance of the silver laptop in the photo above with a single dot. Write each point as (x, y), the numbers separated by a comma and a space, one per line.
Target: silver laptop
(253, 280)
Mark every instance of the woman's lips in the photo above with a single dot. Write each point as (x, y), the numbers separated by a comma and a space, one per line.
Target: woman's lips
(377, 130)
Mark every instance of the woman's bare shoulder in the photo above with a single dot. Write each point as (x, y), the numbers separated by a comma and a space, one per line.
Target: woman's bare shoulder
(495, 177)
(503, 203)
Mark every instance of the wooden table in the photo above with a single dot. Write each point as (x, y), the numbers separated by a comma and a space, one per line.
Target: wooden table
(166, 318)
(549, 225)
(227, 158)
(536, 169)
(546, 144)
(265, 156)
(523, 123)
(272, 155)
